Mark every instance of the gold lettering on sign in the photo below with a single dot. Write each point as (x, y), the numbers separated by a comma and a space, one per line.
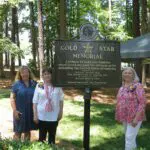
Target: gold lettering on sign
(87, 56)
(106, 48)
(68, 47)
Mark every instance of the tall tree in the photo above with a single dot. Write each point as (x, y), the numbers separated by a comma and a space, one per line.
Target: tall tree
(41, 38)
(1, 54)
(148, 15)
(17, 36)
(136, 33)
(3, 14)
(109, 6)
(62, 15)
(136, 18)
(129, 16)
(13, 38)
(144, 25)
(78, 16)
(33, 30)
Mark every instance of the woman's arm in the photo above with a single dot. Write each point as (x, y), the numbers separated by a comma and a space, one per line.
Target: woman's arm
(35, 103)
(141, 98)
(61, 103)
(13, 101)
(35, 116)
(13, 106)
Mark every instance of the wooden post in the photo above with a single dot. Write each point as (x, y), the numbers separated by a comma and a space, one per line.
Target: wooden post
(143, 76)
(86, 138)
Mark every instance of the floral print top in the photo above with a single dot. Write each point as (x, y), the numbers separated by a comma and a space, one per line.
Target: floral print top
(130, 100)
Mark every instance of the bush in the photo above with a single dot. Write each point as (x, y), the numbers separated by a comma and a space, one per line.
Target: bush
(8, 144)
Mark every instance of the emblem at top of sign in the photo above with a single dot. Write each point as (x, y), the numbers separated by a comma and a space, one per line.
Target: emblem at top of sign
(88, 32)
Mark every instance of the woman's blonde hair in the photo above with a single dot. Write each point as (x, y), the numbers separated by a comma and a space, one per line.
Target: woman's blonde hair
(18, 75)
(135, 76)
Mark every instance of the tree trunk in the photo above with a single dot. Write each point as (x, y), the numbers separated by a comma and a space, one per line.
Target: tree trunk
(129, 16)
(13, 38)
(6, 35)
(47, 43)
(1, 65)
(1, 53)
(62, 19)
(148, 19)
(144, 75)
(78, 16)
(41, 40)
(144, 25)
(136, 18)
(109, 3)
(136, 33)
(33, 31)
(17, 37)
(51, 55)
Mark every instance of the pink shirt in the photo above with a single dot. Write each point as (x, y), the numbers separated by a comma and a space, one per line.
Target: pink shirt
(130, 100)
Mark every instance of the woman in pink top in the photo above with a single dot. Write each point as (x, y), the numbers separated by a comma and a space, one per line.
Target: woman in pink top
(130, 108)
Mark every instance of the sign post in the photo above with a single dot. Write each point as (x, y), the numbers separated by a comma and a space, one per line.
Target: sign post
(86, 137)
(88, 64)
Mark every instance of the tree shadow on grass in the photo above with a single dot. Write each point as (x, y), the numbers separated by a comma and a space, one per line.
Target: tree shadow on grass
(104, 115)
(71, 144)
(116, 143)
(74, 118)
(77, 103)
(101, 114)
(143, 137)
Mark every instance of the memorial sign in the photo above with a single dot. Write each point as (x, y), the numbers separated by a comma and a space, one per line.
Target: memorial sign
(92, 64)
(87, 63)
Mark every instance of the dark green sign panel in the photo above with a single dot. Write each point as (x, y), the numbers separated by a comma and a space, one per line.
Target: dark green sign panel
(92, 64)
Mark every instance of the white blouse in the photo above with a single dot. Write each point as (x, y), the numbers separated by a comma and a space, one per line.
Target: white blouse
(41, 100)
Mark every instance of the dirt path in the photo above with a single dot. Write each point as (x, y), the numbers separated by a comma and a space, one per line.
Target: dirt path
(5, 118)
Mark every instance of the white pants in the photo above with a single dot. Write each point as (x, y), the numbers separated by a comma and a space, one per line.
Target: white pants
(130, 135)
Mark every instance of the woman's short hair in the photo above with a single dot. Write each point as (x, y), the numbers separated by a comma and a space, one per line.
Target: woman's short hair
(49, 70)
(135, 76)
(18, 75)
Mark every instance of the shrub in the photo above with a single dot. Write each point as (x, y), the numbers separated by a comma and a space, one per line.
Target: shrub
(9, 144)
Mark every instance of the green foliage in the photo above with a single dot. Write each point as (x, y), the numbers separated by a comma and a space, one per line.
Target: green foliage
(7, 45)
(32, 66)
(9, 144)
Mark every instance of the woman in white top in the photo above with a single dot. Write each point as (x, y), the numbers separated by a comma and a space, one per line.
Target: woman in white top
(47, 107)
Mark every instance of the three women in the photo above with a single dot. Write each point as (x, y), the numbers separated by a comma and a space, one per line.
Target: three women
(48, 105)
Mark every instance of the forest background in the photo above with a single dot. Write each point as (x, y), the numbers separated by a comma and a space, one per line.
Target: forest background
(28, 28)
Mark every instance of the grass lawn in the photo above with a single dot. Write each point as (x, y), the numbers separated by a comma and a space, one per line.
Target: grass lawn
(105, 132)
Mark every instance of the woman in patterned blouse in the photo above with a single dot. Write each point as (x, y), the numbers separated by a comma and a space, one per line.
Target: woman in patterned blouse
(130, 108)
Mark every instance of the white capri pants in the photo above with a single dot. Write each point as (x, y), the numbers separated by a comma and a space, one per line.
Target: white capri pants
(130, 135)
